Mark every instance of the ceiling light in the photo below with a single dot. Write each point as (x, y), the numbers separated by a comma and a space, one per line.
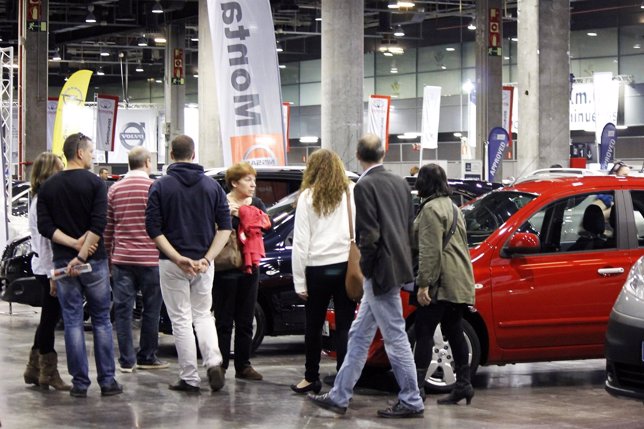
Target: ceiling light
(66, 78)
(408, 136)
(56, 56)
(399, 32)
(318, 19)
(642, 5)
(139, 69)
(636, 46)
(309, 139)
(157, 8)
(196, 76)
(472, 25)
(443, 67)
(158, 81)
(506, 58)
(457, 134)
(405, 4)
(514, 39)
(282, 66)
(160, 39)
(387, 54)
(90, 18)
(468, 86)
(194, 39)
(142, 41)
(105, 52)
(393, 70)
(591, 34)
(393, 4)
(450, 49)
(278, 48)
(100, 72)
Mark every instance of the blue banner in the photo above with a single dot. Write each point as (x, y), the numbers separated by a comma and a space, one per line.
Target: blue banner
(497, 143)
(607, 145)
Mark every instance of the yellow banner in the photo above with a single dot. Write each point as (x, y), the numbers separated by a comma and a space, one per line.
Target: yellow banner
(71, 99)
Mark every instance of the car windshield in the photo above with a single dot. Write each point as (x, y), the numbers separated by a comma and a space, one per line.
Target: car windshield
(488, 213)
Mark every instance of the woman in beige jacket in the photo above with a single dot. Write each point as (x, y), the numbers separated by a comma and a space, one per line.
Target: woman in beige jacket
(445, 280)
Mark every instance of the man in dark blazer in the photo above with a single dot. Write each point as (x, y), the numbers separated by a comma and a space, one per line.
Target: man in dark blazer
(384, 220)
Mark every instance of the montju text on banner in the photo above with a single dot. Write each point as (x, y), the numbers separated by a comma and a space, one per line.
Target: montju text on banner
(70, 101)
(248, 83)
(431, 117)
(378, 117)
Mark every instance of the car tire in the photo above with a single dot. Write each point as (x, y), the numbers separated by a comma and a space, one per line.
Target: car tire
(259, 327)
(441, 375)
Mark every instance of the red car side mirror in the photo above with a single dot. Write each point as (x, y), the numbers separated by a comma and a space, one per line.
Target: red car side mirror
(523, 243)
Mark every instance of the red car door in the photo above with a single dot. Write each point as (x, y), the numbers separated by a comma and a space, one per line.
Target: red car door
(555, 304)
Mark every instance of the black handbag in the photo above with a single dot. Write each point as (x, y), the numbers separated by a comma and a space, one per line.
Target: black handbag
(413, 297)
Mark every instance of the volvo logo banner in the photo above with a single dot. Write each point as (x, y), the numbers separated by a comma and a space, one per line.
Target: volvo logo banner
(132, 135)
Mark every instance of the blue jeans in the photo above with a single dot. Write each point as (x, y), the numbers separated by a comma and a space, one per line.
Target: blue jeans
(95, 287)
(384, 312)
(127, 280)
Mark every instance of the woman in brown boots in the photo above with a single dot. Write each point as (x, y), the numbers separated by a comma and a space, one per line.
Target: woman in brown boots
(42, 368)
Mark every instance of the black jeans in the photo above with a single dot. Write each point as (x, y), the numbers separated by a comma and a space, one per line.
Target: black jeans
(234, 296)
(49, 317)
(324, 282)
(450, 316)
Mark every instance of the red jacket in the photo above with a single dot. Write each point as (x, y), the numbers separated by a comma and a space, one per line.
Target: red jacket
(251, 222)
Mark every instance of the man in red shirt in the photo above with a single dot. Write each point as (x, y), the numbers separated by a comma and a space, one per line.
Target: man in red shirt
(135, 264)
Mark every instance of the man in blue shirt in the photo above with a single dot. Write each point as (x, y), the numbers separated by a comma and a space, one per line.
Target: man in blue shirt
(183, 208)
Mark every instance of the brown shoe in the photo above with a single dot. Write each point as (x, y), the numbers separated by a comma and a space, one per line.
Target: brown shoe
(249, 373)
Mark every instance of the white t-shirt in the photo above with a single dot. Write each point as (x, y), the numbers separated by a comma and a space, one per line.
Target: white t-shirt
(43, 263)
(319, 240)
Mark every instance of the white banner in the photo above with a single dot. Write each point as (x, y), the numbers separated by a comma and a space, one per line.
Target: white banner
(52, 106)
(606, 92)
(431, 117)
(247, 77)
(134, 127)
(378, 117)
(107, 107)
(286, 125)
(506, 109)
(471, 119)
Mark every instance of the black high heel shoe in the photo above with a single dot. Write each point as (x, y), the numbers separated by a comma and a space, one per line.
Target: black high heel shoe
(314, 386)
(457, 394)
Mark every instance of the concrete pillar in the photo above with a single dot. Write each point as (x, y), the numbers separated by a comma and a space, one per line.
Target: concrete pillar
(489, 80)
(175, 94)
(34, 89)
(544, 92)
(211, 153)
(342, 77)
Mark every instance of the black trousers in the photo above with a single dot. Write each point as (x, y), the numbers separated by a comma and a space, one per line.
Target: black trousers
(49, 317)
(324, 282)
(234, 296)
(450, 316)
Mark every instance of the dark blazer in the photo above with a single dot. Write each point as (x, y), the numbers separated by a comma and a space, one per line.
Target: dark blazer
(384, 228)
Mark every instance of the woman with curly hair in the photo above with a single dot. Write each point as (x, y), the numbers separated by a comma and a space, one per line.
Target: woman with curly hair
(320, 254)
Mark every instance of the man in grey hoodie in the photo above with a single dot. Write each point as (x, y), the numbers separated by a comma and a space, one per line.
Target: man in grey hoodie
(183, 208)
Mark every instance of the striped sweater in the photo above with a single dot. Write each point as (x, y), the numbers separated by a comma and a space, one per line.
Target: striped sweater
(126, 241)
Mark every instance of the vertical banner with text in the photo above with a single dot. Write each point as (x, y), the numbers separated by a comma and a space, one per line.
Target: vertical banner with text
(286, 117)
(378, 117)
(497, 143)
(107, 107)
(248, 82)
(70, 102)
(431, 117)
(606, 94)
(607, 145)
(52, 106)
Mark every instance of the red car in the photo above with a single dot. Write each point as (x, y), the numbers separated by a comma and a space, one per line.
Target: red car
(550, 256)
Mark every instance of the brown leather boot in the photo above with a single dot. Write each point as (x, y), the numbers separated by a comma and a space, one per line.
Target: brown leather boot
(49, 375)
(33, 368)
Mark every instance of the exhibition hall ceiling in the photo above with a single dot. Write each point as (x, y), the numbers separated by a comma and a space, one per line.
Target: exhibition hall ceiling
(114, 41)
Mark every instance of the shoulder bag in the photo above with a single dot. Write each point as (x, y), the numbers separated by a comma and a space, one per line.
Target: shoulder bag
(230, 256)
(354, 278)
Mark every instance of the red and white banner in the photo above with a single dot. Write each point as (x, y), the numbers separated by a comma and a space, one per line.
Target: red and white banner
(431, 117)
(286, 126)
(106, 110)
(52, 107)
(507, 100)
(378, 117)
(248, 82)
